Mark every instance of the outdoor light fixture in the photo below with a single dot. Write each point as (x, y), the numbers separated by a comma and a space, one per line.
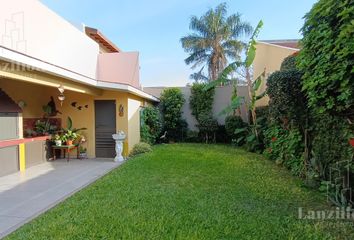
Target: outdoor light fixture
(61, 96)
(61, 89)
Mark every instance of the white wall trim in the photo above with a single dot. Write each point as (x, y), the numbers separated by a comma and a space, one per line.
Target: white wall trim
(126, 88)
(275, 45)
(28, 62)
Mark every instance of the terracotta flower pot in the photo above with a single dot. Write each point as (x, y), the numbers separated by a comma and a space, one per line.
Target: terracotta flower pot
(351, 141)
(69, 142)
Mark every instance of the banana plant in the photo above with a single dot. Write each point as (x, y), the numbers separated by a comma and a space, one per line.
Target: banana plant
(251, 133)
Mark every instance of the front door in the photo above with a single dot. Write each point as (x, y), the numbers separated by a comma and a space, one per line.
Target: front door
(105, 125)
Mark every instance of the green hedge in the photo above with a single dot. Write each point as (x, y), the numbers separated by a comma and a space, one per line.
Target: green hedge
(327, 56)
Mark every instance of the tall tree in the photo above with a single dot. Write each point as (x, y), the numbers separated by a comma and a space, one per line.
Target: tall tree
(214, 40)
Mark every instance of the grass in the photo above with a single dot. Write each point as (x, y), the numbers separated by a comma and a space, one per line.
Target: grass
(189, 191)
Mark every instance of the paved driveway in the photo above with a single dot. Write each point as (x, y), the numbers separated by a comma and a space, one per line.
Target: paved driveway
(23, 196)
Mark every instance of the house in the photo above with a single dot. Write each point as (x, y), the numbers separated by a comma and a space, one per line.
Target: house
(269, 56)
(47, 61)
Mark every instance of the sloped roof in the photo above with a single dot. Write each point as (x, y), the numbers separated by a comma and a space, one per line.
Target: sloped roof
(98, 37)
(7, 105)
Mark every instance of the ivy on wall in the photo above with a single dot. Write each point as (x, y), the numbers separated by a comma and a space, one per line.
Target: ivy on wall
(327, 56)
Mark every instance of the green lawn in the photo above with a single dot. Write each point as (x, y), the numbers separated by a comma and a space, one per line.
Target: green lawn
(189, 191)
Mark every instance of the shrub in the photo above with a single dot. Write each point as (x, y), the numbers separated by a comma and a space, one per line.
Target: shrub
(172, 101)
(140, 148)
(327, 56)
(231, 124)
(207, 127)
(192, 136)
(330, 143)
(287, 102)
(221, 135)
(289, 63)
(201, 104)
(201, 100)
(285, 147)
(332, 157)
(151, 124)
(288, 115)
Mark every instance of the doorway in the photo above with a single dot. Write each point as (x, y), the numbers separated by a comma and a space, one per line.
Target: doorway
(105, 126)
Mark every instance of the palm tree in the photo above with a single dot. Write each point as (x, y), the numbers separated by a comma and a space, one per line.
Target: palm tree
(215, 40)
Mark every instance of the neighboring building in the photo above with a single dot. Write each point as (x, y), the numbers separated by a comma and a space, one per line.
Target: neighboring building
(40, 54)
(269, 56)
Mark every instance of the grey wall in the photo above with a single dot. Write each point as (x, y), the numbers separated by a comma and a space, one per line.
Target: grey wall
(8, 160)
(8, 126)
(222, 99)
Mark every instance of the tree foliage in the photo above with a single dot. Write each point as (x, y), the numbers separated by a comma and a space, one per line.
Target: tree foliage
(201, 100)
(215, 39)
(207, 126)
(287, 101)
(151, 124)
(327, 56)
(172, 101)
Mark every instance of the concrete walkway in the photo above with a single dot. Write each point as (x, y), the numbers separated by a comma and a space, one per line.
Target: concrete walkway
(23, 196)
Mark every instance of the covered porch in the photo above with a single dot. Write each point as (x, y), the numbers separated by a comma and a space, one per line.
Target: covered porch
(32, 90)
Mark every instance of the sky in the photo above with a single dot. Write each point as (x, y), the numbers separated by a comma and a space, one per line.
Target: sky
(154, 27)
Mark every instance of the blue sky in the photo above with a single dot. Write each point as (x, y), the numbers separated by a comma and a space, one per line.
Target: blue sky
(154, 27)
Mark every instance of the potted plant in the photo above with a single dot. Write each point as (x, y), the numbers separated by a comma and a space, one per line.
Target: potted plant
(57, 140)
(70, 136)
(82, 152)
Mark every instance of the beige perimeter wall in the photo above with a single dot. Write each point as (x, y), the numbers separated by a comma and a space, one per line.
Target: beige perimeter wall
(268, 57)
(222, 99)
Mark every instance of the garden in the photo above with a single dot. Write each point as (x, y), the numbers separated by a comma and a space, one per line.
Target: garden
(308, 125)
(264, 178)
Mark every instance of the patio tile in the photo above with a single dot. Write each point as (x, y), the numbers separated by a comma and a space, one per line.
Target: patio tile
(24, 196)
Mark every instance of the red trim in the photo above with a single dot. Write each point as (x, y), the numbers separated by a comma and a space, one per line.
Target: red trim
(14, 142)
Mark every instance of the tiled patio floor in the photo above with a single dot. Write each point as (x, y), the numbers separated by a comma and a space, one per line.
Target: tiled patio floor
(23, 196)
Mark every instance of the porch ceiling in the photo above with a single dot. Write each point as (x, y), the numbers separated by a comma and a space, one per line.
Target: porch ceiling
(24, 73)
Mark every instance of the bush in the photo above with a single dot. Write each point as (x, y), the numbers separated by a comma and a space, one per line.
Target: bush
(140, 148)
(288, 115)
(151, 124)
(221, 135)
(201, 101)
(207, 127)
(287, 102)
(285, 147)
(231, 124)
(192, 136)
(289, 63)
(172, 101)
(327, 57)
(330, 143)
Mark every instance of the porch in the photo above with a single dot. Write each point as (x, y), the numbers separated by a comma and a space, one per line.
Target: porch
(25, 147)
(25, 195)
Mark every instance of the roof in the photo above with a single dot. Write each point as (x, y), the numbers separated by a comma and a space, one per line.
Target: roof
(98, 37)
(288, 43)
(7, 105)
(10, 55)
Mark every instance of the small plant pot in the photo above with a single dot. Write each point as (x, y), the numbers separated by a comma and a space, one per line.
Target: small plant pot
(83, 155)
(351, 141)
(69, 142)
(58, 143)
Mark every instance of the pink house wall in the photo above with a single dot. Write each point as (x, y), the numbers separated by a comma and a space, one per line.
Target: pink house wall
(120, 67)
(29, 27)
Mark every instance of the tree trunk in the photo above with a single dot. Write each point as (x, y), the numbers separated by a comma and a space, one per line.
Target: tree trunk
(251, 95)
